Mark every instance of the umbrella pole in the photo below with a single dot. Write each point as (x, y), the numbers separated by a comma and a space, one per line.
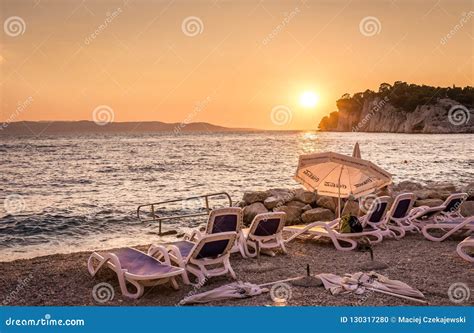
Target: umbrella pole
(396, 295)
(339, 194)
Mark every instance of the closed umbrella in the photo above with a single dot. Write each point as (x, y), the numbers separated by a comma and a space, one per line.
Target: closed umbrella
(356, 151)
(336, 175)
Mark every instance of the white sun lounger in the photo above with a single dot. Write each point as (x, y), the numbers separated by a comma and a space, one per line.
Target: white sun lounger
(221, 220)
(398, 217)
(376, 217)
(205, 258)
(317, 230)
(450, 208)
(264, 235)
(137, 268)
(448, 228)
(466, 244)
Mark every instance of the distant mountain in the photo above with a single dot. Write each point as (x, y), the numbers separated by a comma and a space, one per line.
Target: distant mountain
(77, 127)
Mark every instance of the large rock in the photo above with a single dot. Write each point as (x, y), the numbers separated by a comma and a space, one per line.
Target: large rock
(327, 202)
(307, 197)
(317, 214)
(467, 208)
(443, 187)
(469, 189)
(257, 196)
(407, 186)
(295, 203)
(272, 202)
(252, 210)
(429, 202)
(293, 214)
(282, 194)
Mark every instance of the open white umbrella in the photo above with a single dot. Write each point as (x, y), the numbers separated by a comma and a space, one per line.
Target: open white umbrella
(336, 175)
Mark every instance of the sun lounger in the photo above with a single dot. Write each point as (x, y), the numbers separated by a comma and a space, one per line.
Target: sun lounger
(447, 228)
(221, 220)
(136, 268)
(462, 249)
(264, 235)
(450, 208)
(376, 217)
(345, 241)
(398, 217)
(205, 258)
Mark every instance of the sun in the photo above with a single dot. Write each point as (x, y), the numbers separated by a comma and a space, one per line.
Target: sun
(309, 99)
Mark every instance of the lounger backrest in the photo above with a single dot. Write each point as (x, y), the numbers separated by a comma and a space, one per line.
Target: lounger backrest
(454, 202)
(225, 220)
(377, 210)
(214, 245)
(402, 205)
(267, 224)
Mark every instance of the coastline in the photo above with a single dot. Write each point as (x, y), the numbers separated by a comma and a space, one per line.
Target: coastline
(63, 279)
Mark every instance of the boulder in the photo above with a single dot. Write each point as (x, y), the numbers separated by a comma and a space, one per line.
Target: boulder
(257, 196)
(282, 194)
(428, 202)
(327, 202)
(317, 214)
(240, 204)
(272, 202)
(422, 194)
(469, 189)
(407, 186)
(444, 187)
(307, 197)
(252, 210)
(307, 207)
(293, 214)
(295, 203)
(467, 208)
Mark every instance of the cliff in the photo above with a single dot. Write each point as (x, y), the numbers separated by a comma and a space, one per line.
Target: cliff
(386, 112)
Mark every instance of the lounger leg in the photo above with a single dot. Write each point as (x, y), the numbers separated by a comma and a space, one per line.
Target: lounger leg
(174, 283)
(90, 263)
(228, 267)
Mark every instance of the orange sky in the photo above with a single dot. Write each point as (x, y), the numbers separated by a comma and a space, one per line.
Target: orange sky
(249, 58)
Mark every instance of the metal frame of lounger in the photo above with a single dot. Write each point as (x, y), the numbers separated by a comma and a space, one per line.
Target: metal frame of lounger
(420, 216)
(398, 217)
(465, 225)
(317, 230)
(465, 244)
(381, 225)
(215, 214)
(197, 266)
(138, 280)
(261, 239)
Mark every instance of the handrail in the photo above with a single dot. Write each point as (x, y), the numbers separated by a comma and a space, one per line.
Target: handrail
(158, 218)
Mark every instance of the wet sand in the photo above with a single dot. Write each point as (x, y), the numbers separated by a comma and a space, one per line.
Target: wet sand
(63, 279)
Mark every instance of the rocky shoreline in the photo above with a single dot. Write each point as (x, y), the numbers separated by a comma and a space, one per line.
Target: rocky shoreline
(305, 207)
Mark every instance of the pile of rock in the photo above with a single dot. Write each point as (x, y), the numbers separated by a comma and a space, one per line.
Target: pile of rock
(303, 206)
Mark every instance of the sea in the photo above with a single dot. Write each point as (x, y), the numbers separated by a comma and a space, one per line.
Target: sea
(70, 193)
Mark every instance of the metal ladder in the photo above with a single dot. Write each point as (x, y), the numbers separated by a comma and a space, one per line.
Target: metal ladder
(159, 219)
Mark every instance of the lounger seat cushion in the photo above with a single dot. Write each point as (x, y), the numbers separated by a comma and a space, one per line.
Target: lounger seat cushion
(138, 263)
(185, 247)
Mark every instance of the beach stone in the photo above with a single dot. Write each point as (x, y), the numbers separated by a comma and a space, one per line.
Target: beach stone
(422, 194)
(293, 214)
(435, 194)
(407, 186)
(295, 203)
(467, 208)
(253, 210)
(272, 202)
(307, 207)
(317, 214)
(257, 196)
(428, 202)
(240, 204)
(282, 194)
(327, 202)
(444, 187)
(307, 197)
(469, 189)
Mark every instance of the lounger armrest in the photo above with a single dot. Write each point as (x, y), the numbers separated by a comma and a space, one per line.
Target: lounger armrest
(154, 249)
(195, 235)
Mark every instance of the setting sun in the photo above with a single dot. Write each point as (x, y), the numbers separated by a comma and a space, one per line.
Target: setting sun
(309, 99)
